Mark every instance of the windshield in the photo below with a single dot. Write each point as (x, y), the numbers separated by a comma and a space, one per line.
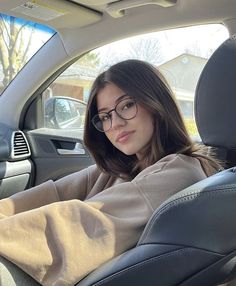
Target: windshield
(19, 41)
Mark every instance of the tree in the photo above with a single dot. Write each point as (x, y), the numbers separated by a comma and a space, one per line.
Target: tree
(90, 59)
(144, 48)
(108, 57)
(148, 49)
(14, 46)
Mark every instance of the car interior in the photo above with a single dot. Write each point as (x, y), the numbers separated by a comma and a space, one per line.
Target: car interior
(190, 239)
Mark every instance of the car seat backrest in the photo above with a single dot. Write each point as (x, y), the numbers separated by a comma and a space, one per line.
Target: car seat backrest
(215, 102)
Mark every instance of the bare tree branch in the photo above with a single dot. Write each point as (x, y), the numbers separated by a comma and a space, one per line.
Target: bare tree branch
(5, 28)
(19, 32)
(147, 49)
(13, 47)
(28, 45)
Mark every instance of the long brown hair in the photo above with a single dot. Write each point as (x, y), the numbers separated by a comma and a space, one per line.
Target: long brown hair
(148, 87)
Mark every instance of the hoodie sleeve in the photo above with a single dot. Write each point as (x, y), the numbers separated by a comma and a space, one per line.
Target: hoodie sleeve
(60, 243)
(74, 186)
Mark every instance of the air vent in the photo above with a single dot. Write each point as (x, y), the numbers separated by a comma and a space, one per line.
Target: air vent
(20, 147)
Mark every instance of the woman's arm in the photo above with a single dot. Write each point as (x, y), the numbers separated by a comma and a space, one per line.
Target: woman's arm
(74, 186)
(62, 242)
(30, 199)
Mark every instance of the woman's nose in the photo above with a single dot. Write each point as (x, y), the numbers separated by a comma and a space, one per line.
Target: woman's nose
(117, 121)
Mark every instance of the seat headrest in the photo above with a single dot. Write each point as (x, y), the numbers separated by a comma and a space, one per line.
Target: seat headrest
(215, 98)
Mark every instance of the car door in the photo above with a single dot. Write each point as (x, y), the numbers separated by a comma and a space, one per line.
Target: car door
(57, 144)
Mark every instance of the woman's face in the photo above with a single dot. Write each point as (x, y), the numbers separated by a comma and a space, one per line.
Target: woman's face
(129, 136)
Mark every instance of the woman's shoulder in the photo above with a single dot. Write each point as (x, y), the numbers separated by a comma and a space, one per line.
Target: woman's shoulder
(175, 163)
(168, 176)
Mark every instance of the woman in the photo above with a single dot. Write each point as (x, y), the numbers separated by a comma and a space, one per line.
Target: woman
(59, 232)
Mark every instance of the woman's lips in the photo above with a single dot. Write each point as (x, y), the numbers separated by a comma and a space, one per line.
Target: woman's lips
(124, 136)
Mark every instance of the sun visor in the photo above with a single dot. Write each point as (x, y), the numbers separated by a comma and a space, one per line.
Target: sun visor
(57, 14)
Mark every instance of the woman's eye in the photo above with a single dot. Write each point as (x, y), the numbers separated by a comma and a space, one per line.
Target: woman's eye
(128, 105)
(104, 118)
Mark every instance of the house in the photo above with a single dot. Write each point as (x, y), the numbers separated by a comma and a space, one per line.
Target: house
(182, 74)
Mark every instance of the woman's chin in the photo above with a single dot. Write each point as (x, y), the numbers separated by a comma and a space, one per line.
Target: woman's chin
(127, 152)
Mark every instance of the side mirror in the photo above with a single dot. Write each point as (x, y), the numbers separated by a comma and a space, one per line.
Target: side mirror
(64, 113)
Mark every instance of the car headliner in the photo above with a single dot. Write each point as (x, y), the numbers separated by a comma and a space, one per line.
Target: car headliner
(91, 16)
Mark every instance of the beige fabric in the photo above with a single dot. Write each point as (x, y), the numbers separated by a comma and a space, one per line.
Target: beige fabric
(59, 232)
(232, 283)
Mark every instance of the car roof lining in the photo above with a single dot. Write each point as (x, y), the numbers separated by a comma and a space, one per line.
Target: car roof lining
(77, 15)
(79, 26)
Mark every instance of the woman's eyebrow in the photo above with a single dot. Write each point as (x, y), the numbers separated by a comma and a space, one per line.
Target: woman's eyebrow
(117, 101)
(121, 97)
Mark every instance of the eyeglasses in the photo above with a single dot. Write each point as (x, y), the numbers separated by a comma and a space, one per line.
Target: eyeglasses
(126, 109)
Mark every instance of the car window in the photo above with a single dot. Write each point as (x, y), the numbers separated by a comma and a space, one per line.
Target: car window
(19, 41)
(180, 54)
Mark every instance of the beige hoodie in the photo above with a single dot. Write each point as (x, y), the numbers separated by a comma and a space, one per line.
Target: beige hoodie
(60, 231)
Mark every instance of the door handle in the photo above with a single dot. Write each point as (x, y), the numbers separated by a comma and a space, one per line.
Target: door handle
(78, 150)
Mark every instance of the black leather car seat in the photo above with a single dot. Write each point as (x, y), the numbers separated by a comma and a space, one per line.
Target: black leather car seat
(215, 102)
(191, 238)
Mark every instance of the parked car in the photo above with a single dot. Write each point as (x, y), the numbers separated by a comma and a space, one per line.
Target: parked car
(50, 53)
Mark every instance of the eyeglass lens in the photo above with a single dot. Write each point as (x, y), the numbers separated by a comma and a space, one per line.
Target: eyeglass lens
(125, 109)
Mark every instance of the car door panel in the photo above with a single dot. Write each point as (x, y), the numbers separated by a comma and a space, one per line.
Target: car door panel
(55, 156)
